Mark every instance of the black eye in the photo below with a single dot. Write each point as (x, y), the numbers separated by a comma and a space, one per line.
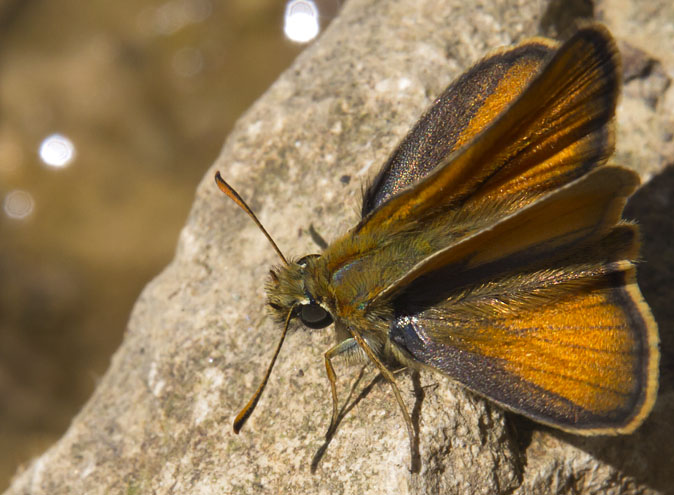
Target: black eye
(313, 316)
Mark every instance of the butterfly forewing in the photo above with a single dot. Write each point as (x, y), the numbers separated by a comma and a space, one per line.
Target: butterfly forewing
(464, 109)
(554, 132)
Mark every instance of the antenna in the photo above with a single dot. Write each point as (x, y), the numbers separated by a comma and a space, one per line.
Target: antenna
(234, 196)
(245, 413)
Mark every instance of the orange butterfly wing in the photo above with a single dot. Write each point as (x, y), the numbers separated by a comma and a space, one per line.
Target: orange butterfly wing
(584, 360)
(554, 132)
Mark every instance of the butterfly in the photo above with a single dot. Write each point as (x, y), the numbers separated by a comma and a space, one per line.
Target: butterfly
(491, 249)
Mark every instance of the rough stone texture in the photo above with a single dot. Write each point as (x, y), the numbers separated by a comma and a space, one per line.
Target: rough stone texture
(198, 339)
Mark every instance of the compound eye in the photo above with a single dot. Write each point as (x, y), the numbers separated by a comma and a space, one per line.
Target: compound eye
(313, 316)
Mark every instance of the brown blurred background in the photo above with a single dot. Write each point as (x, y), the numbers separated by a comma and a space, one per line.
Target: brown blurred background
(146, 92)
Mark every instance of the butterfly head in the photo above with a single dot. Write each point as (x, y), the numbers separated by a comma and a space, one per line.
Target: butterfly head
(296, 288)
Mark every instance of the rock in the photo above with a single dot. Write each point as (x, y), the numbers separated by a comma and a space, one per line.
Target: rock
(198, 340)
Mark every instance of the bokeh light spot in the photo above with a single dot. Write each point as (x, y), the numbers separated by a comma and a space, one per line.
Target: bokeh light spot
(18, 204)
(57, 151)
(301, 21)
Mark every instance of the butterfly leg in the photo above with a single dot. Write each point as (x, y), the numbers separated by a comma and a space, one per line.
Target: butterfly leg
(344, 347)
(391, 379)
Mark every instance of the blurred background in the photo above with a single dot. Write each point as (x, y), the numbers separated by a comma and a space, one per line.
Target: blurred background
(110, 114)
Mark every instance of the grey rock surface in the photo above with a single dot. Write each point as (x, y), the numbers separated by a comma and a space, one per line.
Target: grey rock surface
(199, 339)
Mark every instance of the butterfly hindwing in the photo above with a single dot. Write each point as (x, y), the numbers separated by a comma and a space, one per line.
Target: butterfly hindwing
(581, 358)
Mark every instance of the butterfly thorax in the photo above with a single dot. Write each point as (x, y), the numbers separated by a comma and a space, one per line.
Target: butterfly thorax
(308, 286)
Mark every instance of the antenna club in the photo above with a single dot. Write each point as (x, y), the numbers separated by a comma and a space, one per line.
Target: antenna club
(234, 196)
